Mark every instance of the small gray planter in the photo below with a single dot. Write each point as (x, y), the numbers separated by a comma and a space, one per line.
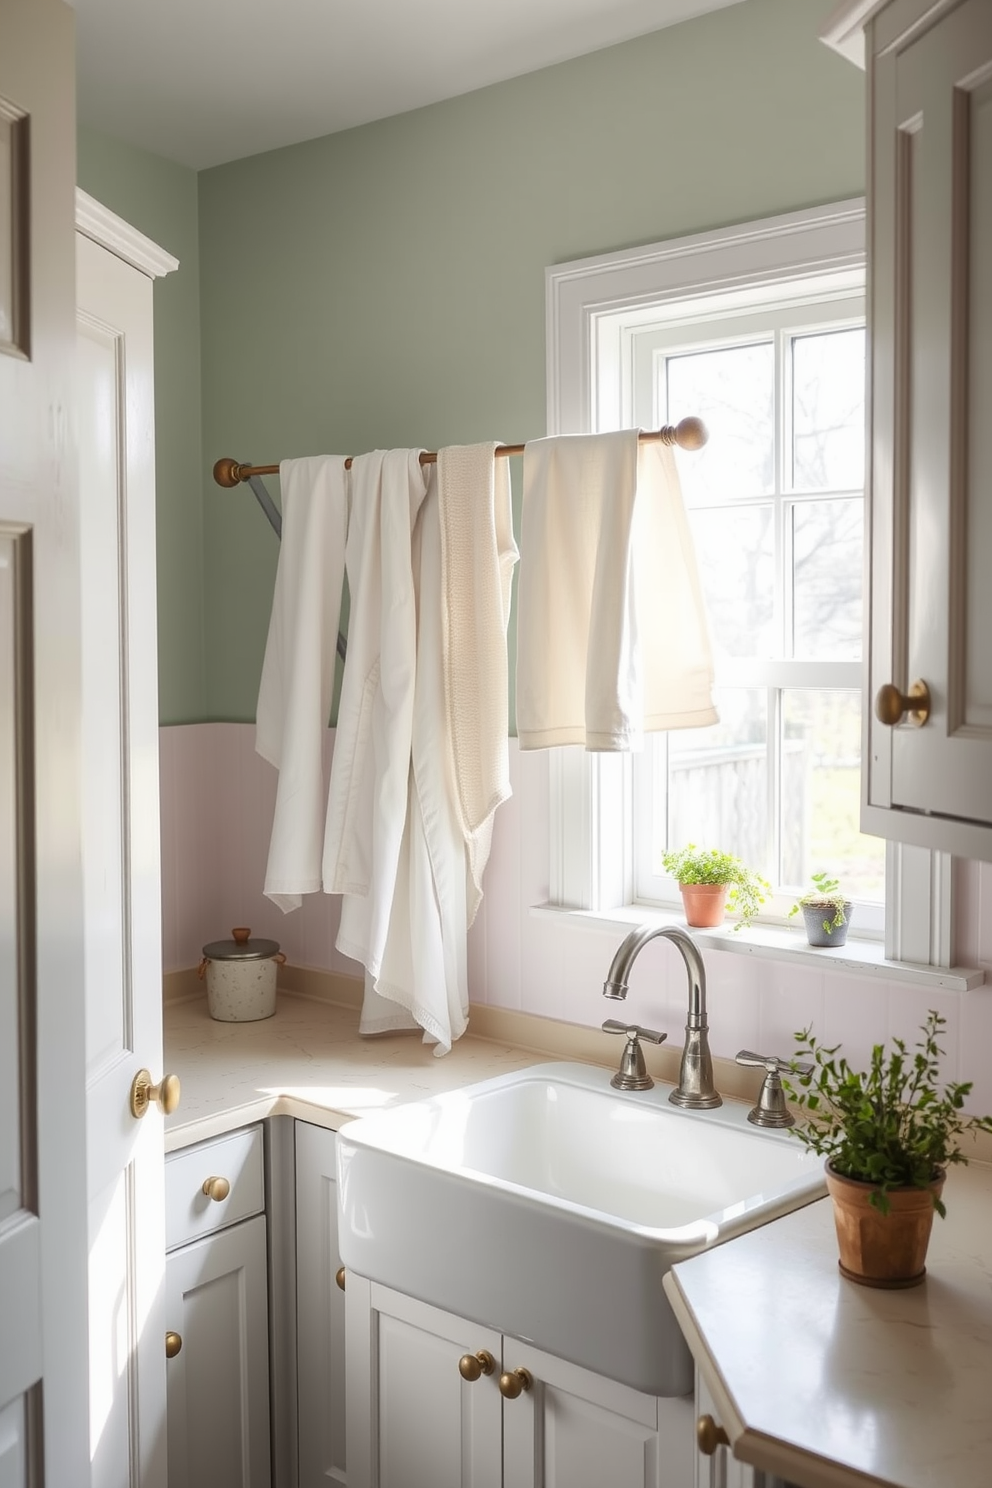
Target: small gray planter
(816, 914)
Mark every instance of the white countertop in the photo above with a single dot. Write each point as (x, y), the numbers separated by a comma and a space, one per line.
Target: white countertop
(831, 1384)
(307, 1061)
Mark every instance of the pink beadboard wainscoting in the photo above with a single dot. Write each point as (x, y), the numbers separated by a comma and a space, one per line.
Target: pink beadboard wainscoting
(217, 799)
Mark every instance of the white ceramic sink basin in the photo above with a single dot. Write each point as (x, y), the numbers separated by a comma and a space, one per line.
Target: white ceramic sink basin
(549, 1206)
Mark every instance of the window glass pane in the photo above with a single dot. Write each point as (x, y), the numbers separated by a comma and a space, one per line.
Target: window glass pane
(735, 556)
(718, 779)
(821, 760)
(827, 540)
(732, 390)
(828, 411)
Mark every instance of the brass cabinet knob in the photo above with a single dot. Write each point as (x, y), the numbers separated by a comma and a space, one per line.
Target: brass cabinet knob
(472, 1366)
(165, 1094)
(891, 706)
(339, 1277)
(173, 1343)
(514, 1382)
(709, 1436)
(216, 1189)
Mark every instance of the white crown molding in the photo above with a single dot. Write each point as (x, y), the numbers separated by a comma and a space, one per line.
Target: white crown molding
(96, 221)
(844, 31)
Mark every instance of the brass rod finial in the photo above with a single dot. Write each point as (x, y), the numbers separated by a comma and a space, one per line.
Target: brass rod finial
(227, 472)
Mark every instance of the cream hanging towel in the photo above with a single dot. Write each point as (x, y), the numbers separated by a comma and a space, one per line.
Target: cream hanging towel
(294, 698)
(612, 635)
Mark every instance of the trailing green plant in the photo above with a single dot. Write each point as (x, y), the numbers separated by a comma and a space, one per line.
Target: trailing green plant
(893, 1124)
(746, 890)
(826, 891)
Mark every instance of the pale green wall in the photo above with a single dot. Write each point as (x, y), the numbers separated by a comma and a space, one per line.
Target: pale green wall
(160, 199)
(385, 286)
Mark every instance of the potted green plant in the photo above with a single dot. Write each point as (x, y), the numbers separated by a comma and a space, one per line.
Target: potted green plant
(826, 911)
(711, 881)
(888, 1134)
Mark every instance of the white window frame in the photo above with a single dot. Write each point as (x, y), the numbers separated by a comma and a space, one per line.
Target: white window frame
(592, 307)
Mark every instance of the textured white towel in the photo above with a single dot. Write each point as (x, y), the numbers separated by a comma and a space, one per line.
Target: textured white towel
(612, 635)
(370, 772)
(477, 558)
(294, 696)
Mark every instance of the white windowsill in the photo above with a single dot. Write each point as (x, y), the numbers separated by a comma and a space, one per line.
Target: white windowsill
(771, 943)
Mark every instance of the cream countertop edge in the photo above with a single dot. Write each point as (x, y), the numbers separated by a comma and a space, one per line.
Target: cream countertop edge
(834, 1385)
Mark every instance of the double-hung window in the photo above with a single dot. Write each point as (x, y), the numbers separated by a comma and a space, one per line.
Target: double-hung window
(776, 504)
(760, 331)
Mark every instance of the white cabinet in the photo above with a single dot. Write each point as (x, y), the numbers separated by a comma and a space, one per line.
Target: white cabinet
(930, 292)
(320, 1320)
(416, 1421)
(716, 1466)
(217, 1313)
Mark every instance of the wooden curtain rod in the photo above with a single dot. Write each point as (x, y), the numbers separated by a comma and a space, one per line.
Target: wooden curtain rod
(688, 434)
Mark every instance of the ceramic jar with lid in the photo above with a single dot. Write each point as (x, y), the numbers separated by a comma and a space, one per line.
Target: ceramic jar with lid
(241, 977)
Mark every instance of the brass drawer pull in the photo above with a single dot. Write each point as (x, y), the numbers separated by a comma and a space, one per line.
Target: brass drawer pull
(891, 706)
(472, 1366)
(339, 1277)
(216, 1189)
(709, 1436)
(173, 1343)
(514, 1382)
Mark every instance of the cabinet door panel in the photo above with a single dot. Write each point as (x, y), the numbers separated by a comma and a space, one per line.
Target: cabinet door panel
(574, 1429)
(413, 1421)
(320, 1311)
(218, 1395)
(931, 520)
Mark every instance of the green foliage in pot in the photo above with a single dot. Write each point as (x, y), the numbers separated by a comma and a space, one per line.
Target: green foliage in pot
(825, 891)
(747, 890)
(893, 1124)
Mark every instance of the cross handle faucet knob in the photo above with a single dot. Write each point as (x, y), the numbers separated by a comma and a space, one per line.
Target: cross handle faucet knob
(632, 1074)
(771, 1109)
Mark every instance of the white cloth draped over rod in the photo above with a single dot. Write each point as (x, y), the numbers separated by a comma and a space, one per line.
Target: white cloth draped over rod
(612, 641)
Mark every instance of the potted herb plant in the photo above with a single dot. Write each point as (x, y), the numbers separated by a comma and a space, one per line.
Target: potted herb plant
(826, 910)
(711, 881)
(888, 1134)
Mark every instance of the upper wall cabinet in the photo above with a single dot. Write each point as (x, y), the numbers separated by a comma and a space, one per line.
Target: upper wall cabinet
(928, 776)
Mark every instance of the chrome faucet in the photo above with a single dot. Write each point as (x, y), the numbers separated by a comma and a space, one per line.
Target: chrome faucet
(695, 1090)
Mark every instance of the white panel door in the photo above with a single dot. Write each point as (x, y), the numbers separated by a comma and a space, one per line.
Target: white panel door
(42, 1126)
(122, 959)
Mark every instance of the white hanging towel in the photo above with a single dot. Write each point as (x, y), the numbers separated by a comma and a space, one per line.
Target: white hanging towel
(294, 698)
(612, 635)
(424, 961)
(370, 770)
(477, 558)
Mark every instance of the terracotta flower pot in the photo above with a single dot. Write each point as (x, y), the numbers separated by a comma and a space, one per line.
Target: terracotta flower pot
(704, 904)
(882, 1250)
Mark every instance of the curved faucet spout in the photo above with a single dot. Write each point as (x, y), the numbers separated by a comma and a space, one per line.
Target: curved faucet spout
(695, 1089)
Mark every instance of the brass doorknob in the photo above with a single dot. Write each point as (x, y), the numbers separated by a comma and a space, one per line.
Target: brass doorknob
(339, 1277)
(891, 705)
(514, 1382)
(173, 1343)
(216, 1189)
(165, 1094)
(709, 1436)
(472, 1366)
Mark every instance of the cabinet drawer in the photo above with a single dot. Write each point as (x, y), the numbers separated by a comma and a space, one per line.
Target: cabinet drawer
(189, 1211)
